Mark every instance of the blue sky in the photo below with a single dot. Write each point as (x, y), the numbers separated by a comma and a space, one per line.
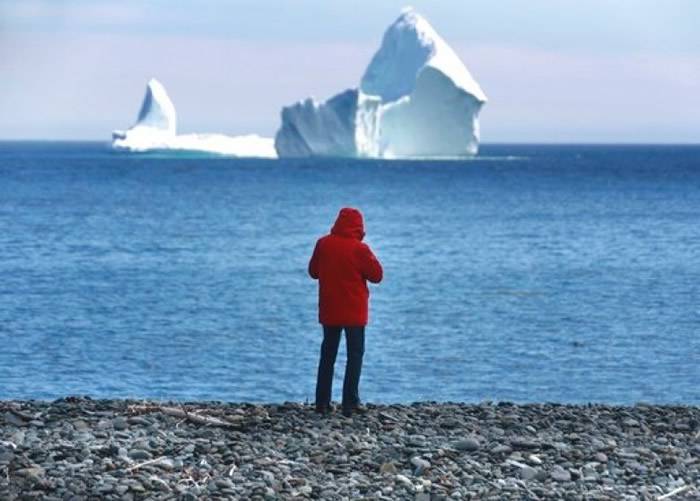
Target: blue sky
(554, 70)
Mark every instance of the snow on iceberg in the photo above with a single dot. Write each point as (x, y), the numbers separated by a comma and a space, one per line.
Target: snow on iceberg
(156, 130)
(416, 99)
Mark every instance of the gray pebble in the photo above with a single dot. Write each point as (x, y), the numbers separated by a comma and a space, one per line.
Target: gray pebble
(120, 423)
(466, 445)
(14, 420)
(527, 473)
(501, 449)
(560, 474)
(140, 454)
(166, 464)
(420, 463)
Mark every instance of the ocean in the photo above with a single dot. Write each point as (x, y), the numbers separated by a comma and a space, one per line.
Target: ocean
(532, 273)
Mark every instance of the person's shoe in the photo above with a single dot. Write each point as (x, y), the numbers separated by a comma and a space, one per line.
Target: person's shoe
(324, 410)
(358, 409)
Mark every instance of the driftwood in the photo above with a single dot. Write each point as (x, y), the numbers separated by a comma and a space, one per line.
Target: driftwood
(145, 463)
(182, 414)
(674, 492)
(160, 481)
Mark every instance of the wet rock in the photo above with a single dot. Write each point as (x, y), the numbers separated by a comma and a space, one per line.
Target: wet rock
(138, 421)
(120, 423)
(501, 449)
(35, 471)
(589, 474)
(105, 489)
(13, 419)
(159, 484)
(140, 454)
(104, 424)
(466, 444)
(420, 463)
(387, 468)
(560, 474)
(166, 464)
(80, 425)
(524, 444)
(403, 480)
(527, 473)
(6, 456)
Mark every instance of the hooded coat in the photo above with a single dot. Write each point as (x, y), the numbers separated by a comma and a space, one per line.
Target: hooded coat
(342, 264)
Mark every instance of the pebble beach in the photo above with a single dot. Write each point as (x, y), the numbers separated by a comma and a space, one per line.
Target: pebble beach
(77, 448)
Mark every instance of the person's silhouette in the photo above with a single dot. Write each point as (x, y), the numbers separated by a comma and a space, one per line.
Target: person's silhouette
(342, 264)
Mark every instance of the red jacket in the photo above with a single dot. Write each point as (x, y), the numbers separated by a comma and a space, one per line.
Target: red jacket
(343, 264)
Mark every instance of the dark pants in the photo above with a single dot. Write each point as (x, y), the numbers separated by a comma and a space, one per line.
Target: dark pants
(355, 342)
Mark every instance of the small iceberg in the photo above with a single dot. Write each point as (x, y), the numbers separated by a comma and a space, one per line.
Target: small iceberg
(156, 130)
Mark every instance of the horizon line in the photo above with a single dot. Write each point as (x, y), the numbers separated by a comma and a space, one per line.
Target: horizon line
(487, 143)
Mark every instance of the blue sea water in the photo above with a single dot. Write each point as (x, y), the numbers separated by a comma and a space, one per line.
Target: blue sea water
(531, 273)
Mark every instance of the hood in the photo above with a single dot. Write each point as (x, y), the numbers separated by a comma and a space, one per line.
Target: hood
(349, 224)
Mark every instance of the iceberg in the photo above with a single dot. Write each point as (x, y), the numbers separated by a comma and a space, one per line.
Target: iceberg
(156, 130)
(415, 99)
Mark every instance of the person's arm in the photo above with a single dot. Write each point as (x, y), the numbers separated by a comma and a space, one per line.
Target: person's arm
(370, 267)
(313, 264)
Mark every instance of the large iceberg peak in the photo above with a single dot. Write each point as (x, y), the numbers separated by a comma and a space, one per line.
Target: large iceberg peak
(157, 110)
(416, 99)
(409, 45)
(406, 48)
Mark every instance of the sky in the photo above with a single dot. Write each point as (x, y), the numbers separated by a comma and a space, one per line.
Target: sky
(553, 70)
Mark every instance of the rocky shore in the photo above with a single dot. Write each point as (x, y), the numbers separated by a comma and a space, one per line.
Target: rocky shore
(78, 448)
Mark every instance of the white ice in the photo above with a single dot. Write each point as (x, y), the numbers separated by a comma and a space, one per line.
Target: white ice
(416, 99)
(156, 130)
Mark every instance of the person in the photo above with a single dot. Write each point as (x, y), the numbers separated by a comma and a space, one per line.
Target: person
(343, 264)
